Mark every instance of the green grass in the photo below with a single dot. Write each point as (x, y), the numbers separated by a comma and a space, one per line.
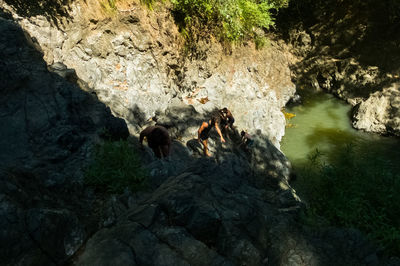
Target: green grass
(116, 166)
(358, 188)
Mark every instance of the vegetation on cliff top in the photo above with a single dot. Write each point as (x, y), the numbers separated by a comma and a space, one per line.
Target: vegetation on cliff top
(228, 20)
(231, 21)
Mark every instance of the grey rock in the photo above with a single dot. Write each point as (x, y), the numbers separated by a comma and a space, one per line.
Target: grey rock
(62, 70)
(380, 112)
(138, 78)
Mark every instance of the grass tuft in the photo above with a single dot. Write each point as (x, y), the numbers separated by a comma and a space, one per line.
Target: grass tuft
(116, 166)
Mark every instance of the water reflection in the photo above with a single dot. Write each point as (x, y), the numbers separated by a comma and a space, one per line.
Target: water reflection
(321, 122)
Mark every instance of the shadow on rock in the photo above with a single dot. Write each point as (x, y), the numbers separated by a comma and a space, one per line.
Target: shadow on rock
(49, 126)
(49, 8)
(352, 50)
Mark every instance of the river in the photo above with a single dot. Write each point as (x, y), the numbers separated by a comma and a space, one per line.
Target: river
(322, 122)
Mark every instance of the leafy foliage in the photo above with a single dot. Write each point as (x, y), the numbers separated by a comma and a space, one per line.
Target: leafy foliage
(230, 20)
(115, 167)
(358, 189)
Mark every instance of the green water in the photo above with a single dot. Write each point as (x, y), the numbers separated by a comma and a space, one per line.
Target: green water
(322, 122)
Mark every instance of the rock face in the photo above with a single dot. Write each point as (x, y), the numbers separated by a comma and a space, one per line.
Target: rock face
(48, 127)
(190, 220)
(136, 64)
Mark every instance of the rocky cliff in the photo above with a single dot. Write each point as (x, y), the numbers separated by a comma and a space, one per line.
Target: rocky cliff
(135, 61)
(236, 208)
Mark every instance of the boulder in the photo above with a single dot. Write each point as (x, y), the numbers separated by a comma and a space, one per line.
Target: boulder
(380, 113)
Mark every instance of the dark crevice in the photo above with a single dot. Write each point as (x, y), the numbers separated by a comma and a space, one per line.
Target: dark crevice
(37, 244)
(168, 244)
(132, 249)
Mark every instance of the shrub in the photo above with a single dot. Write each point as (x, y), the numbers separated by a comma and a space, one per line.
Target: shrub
(116, 166)
(260, 42)
(358, 188)
(230, 20)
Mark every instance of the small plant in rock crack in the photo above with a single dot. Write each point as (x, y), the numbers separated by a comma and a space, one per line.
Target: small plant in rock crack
(116, 166)
(108, 6)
